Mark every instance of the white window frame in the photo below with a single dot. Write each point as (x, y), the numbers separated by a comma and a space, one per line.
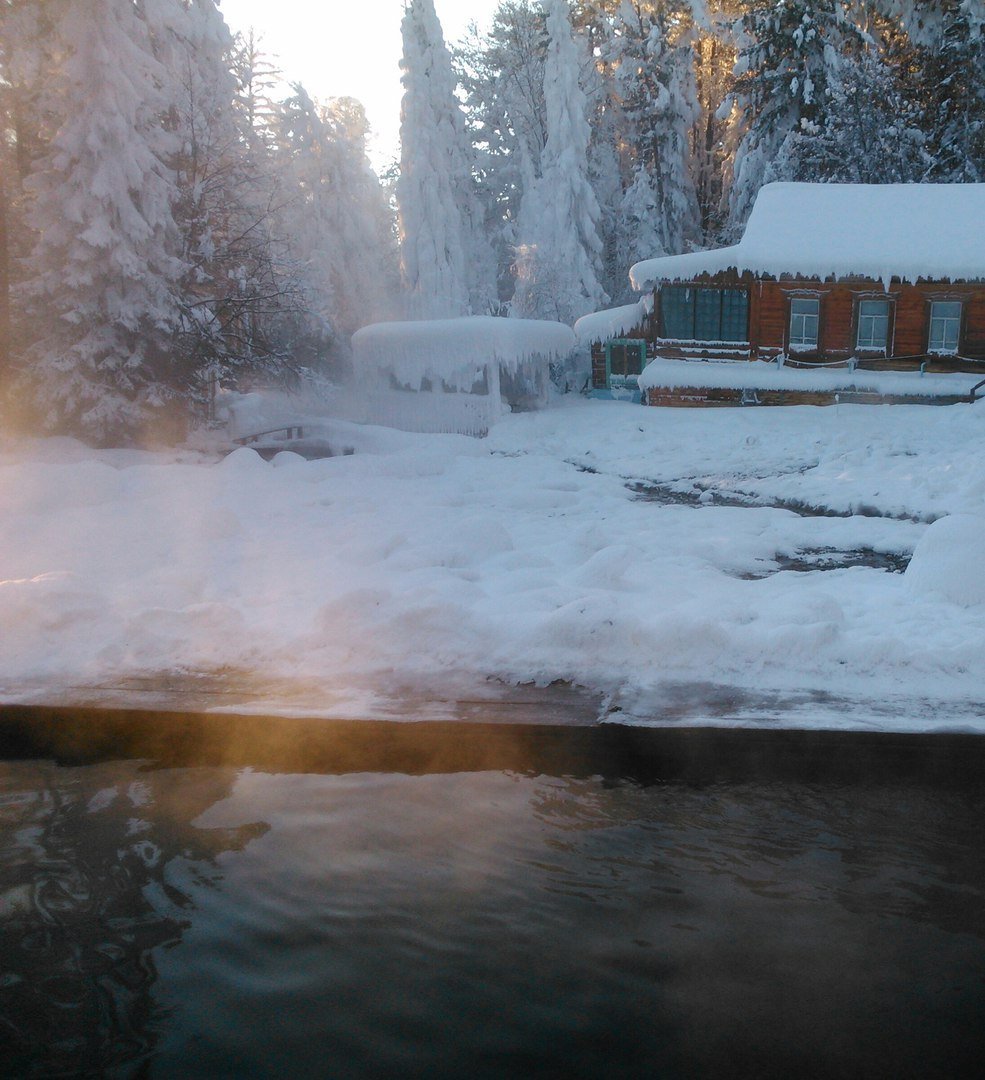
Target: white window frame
(867, 323)
(800, 339)
(939, 325)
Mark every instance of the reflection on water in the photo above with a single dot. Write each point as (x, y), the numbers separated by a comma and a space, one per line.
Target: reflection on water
(209, 921)
(85, 904)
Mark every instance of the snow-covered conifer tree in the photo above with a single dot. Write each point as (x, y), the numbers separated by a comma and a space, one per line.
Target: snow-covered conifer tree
(597, 31)
(655, 76)
(195, 46)
(872, 132)
(239, 288)
(4, 275)
(950, 34)
(503, 78)
(102, 275)
(558, 256)
(934, 51)
(365, 273)
(303, 153)
(256, 78)
(712, 145)
(26, 47)
(445, 262)
(335, 216)
(792, 50)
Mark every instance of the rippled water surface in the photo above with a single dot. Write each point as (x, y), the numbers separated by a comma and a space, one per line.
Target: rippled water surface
(214, 920)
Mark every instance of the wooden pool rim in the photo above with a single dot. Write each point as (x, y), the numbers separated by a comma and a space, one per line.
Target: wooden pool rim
(647, 755)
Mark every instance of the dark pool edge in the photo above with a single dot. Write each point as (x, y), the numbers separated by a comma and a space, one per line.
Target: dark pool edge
(693, 754)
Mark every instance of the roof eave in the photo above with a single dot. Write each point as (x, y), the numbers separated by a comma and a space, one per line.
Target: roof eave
(646, 283)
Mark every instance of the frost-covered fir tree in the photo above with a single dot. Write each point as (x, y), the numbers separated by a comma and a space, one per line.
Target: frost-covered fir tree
(446, 264)
(335, 215)
(558, 257)
(213, 178)
(303, 160)
(949, 40)
(366, 273)
(793, 50)
(240, 288)
(713, 135)
(594, 27)
(26, 50)
(102, 275)
(256, 80)
(871, 133)
(655, 76)
(503, 77)
(4, 273)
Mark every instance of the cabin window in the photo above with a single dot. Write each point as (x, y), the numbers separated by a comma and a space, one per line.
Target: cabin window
(945, 326)
(873, 324)
(699, 314)
(707, 314)
(804, 317)
(735, 315)
(677, 311)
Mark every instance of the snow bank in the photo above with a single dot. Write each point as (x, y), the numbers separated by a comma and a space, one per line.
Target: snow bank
(948, 561)
(877, 231)
(613, 322)
(760, 375)
(455, 351)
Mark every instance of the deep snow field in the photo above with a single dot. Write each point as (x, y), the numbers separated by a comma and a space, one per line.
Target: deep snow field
(596, 542)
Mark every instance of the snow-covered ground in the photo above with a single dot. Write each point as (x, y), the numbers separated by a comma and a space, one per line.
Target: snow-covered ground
(595, 542)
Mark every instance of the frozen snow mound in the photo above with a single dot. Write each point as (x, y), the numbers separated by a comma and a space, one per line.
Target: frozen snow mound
(948, 563)
(934, 232)
(455, 375)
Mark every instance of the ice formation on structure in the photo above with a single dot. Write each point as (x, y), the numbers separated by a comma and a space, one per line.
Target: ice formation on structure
(455, 375)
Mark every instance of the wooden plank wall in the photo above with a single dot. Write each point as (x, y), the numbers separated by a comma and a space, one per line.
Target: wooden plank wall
(769, 317)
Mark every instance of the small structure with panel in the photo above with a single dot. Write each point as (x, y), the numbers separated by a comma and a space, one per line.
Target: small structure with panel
(454, 375)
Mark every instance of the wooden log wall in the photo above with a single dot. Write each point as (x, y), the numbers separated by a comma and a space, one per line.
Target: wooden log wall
(769, 319)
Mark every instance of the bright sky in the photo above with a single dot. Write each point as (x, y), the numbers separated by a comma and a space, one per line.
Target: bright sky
(348, 47)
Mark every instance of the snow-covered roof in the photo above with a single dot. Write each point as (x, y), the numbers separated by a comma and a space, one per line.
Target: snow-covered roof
(455, 349)
(612, 322)
(877, 231)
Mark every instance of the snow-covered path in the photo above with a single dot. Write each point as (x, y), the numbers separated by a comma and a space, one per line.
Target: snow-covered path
(527, 557)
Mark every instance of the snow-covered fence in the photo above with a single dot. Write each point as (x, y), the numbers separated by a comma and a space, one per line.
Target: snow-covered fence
(453, 375)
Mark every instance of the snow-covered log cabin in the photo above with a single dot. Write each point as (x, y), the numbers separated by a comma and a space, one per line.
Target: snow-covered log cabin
(455, 375)
(874, 276)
